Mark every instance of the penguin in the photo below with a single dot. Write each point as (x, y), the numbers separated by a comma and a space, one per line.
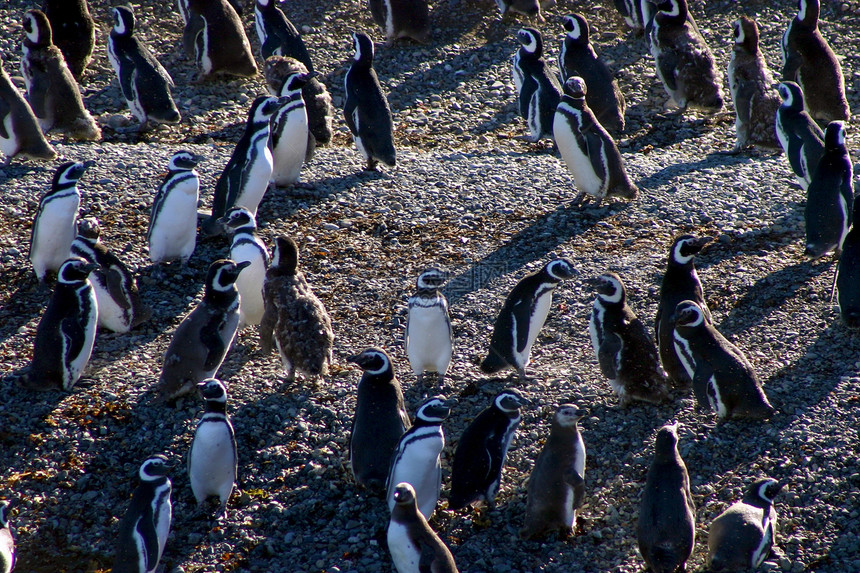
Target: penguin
(379, 421)
(848, 273)
(289, 133)
(278, 36)
(830, 196)
(246, 176)
(119, 302)
(294, 319)
(556, 487)
(54, 224)
(623, 346)
(74, 32)
(366, 109)
(522, 316)
(51, 89)
(416, 458)
(204, 336)
(666, 529)
(800, 137)
(213, 459)
(402, 19)
(684, 61)
(246, 245)
(808, 60)
(528, 8)
(66, 331)
(577, 58)
(680, 282)
(317, 99)
(479, 459)
(538, 91)
(7, 541)
(413, 544)
(429, 337)
(145, 84)
(145, 526)
(20, 133)
(214, 35)
(587, 149)
(637, 14)
(741, 537)
(172, 232)
(723, 378)
(750, 83)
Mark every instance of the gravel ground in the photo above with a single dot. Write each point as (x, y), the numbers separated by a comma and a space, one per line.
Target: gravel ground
(489, 208)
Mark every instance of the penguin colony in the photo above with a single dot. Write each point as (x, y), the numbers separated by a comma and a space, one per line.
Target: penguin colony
(722, 378)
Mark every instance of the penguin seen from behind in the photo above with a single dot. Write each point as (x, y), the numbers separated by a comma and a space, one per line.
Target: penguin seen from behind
(830, 196)
(74, 32)
(402, 19)
(278, 36)
(538, 90)
(214, 35)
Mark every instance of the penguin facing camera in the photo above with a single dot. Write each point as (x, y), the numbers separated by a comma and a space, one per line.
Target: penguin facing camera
(246, 245)
(413, 544)
(172, 232)
(429, 338)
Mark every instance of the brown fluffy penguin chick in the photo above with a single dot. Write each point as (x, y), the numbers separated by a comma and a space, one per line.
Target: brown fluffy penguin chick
(557, 483)
(20, 133)
(214, 35)
(667, 517)
(294, 319)
(74, 32)
(414, 546)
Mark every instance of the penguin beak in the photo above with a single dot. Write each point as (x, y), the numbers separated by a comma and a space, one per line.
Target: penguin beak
(243, 265)
(355, 359)
(90, 267)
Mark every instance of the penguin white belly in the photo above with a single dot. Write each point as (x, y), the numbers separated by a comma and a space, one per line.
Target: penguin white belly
(211, 467)
(55, 231)
(715, 399)
(593, 330)
(258, 25)
(111, 315)
(289, 153)
(162, 514)
(204, 61)
(576, 160)
(405, 554)
(535, 323)
(761, 552)
(685, 355)
(419, 466)
(174, 232)
(9, 146)
(256, 178)
(90, 321)
(250, 283)
(429, 340)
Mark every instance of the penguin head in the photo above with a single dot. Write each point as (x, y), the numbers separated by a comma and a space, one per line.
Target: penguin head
(434, 410)
(610, 288)
(184, 161)
(213, 390)
(285, 255)
(531, 41)
(363, 46)
(295, 82)
(763, 490)
(808, 12)
(263, 108)
(674, 9)
(685, 247)
(575, 87)
(568, 415)
(89, 229)
(560, 269)
(237, 217)
(431, 279)
(75, 270)
(688, 314)
(576, 28)
(745, 32)
(37, 28)
(667, 439)
(4, 518)
(509, 401)
(373, 360)
(791, 94)
(69, 173)
(154, 468)
(223, 274)
(266, 4)
(404, 495)
(123, 21)
(834, 136)
(278, 69)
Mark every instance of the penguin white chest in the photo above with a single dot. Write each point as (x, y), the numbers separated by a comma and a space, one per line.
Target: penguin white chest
(685, 354)
(764, 546)
(565, 128)
(428, 339)
(162, 515)
(258, 172)
(54, 233)
(111, 315)
(89, 318)
(540, 310)
(174, 230)
(418, 465)
(290, 143)
(9, 145)
(211, 463)
(595, 326)
(250, 282)
(404, 552)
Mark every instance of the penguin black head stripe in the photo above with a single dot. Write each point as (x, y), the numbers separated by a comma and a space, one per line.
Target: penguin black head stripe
(183, 161)
(509, 401)
(213, 390)
(531, 41)
(37, 28)
(575, 87)
(576, 28)
(286, 254)
(686, 247)
(123, 21)
(75, 270)
(237, 217)
(434, 410)
(671, 7)
(609, 288)
(834, 135)
(295, 82)
(363, 46)
(154, 468)
(768, 489)
(688, 313)
(791, 94)
(69, 173)
(561, 269)
(223, 273)
(374, 361)
(431, 279)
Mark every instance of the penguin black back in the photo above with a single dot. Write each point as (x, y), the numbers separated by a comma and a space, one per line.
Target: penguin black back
(73, 31)
(278, 36)
(848, 273)
(830, 195)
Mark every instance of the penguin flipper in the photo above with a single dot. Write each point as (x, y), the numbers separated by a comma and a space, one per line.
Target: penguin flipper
(428, 555)
(521, 313)
(193, 27)
(127, 76)
(594, 144)
(114, 279)
(4, 111)
(40, 87)
(73, 336)
(267, 323)
(210, 336)
(145, 534)
(701, 378)
(668, 64)
(349, 108)
(607, 355)
(577, 482)
(527, 90)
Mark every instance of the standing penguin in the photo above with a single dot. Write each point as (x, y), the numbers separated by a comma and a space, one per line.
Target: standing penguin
(479, 459)
(528, 8)
(416, 458)
(577, 58)
(522, 316)
(365, 107)
(204, 336)
(429, 337)
(638, 14)
(120, 306)
(402, 19)
(556, 487)
(144, 527)
(666, 529)
(294, 319)
(538, 91)
(684, 61)
(145, 84)
(414, 546)
(830, 196)
(7, 542)
(278, 36)
(214, 35)
(172, 232)
(750, 83)
(680, 282)
(379, 421)
(741, 537)
(54, 224)
(246, 176)
(74, 32)
(800, 137)
(317, 99)
(20, 133)
(624, 349)
(588, 151)
(289, 126)
(723, 378)
(51, 89)
(848, 273)
(246, 245)
(66, 331)
(808, 60)
(213, 459)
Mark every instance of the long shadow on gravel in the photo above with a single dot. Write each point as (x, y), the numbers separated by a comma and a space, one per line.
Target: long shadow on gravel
(676, 170)
(25, 303)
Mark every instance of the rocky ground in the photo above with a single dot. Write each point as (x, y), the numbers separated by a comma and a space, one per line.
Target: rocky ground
(469, 197)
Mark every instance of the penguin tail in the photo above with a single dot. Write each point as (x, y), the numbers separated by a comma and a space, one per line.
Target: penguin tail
(493, 363)
(663, 559)
(85, 128)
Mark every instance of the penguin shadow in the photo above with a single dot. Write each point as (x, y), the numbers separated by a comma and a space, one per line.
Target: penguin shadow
(282, 202)
(677, 170)
(24, 304)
